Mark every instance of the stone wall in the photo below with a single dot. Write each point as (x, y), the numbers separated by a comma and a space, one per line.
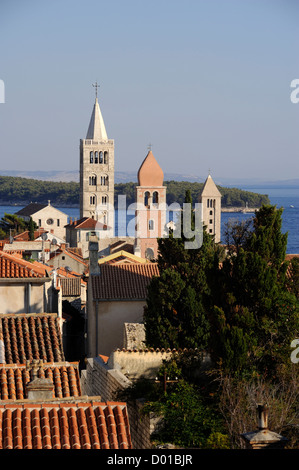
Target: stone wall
(134, 336)
(138, 363)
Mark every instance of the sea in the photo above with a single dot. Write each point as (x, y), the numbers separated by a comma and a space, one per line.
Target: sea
(287, 198)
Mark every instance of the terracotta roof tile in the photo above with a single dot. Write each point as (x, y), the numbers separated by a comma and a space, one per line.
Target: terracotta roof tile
(24, 236)
(31, 336)
(123, 281)
(87, 223)
(82, 425)
(65, 377)
(14, 267)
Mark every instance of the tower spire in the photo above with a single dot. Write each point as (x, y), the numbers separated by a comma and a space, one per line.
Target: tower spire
(96, 129)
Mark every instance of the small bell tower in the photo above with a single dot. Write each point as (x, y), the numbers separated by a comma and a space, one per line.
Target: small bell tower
(210, 198)
(151, 208)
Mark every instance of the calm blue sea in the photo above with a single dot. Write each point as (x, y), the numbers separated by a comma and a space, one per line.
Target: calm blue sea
(281, 197)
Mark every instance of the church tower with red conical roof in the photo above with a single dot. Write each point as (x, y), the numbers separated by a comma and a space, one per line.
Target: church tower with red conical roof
(150, 208)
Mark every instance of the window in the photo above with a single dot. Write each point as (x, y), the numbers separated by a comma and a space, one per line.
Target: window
(101, 157)
(104, 180)
(105, 158)
(39, 222)
(104, 199)
(155, 197)
(146, 198)
(96, 157)
(149, 253)
(50, 221)
(208, 203)
(211, 221)
(210, 230)
(151, 225)
(92, 180)
(91, 157)
(92, 200)
(211, 212)
(58, 222)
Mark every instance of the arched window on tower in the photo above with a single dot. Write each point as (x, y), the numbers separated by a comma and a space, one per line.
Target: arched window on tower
(146, 198)
(101, 157)
(105, 158)
(96, 157)
(104, 180)
(92, 200)
(214, 203)
(91, 157)
(149, 254)
(208, 202)
(93, 180)
(104, 200)
(155, 197)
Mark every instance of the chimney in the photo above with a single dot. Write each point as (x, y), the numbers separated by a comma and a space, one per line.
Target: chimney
(93, 248)
(38, 388)
(262, 411)
(263, 438)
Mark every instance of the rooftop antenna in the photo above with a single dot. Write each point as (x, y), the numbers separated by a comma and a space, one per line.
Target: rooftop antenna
(149, 147)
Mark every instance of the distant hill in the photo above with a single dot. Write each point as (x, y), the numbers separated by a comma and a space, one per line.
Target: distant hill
(128, 176)
(16, 190)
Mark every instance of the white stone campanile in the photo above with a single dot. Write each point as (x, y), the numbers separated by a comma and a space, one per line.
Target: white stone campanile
(97, 171)
(210, 198)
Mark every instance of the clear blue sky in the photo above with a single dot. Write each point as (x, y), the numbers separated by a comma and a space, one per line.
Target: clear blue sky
(206, 82)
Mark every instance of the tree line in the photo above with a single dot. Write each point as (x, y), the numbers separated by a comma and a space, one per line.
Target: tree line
(18, 190)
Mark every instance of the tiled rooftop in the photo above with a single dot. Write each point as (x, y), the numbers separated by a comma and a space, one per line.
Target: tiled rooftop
(14, 267)
(71, 287)
(69, 253)
(31, 208)
(123, 281)
(65, 377)
(87, 223)
(82, 425)
(25, 236)
(121, 256)
(30, 336)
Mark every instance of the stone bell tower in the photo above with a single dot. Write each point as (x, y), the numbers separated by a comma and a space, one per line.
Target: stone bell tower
(151, 208)
(210, 198)
(97, 170)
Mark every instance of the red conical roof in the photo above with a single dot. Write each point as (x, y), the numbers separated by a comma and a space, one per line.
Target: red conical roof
(150, 173)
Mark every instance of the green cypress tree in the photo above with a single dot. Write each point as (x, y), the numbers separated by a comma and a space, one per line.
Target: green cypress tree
(254, 300)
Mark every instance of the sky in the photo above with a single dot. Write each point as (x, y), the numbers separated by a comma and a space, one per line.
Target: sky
(206, 82)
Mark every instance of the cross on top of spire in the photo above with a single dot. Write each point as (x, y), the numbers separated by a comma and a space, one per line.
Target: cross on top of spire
(96, 87)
